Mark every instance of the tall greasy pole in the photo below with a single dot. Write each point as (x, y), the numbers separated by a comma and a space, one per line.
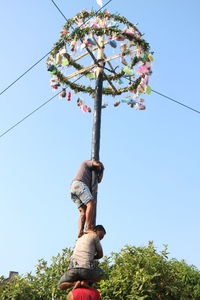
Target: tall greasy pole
(96, 131)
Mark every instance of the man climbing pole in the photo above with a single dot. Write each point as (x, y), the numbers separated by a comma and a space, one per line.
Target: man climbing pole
(84, 294)
(81, 193)
(82, 270)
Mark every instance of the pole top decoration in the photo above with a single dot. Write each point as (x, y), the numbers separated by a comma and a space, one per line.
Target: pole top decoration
(126, 58)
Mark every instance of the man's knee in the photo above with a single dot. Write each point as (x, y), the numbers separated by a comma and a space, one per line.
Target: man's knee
(70, 296)
(91, 203)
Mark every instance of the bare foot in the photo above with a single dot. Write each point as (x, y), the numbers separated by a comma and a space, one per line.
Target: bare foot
(89, 229)
(65, 285)
(77, 285)
(85, 284)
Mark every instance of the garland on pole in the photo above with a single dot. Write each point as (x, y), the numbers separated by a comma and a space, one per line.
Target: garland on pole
(132, 58)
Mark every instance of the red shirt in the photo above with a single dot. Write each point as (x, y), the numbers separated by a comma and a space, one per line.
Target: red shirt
(86, 294)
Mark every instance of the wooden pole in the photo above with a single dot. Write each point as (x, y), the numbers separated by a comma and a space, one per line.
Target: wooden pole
(96, 131)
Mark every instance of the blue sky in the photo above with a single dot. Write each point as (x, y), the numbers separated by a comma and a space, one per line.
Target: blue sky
(151, 186)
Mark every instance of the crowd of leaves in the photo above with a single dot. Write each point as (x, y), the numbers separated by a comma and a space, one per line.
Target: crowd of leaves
(135, 273)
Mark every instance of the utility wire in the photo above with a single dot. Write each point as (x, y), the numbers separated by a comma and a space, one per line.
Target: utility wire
(12, 127)
(27, 116)
(195, 110)
(29, 69)
(167, 97)
(22, 75)
(35, 64)
(59, 10)
(9, 129)
(89, 51)
(46, 102)
(112, 71)
(88, 18)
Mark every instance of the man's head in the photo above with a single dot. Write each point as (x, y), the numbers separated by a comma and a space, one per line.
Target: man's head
(100, 231)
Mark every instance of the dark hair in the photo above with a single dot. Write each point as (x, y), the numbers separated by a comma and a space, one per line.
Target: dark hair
(99, 227)
(102, 166)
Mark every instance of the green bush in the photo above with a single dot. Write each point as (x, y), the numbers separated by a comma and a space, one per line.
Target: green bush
(134, 273)
(142, 273)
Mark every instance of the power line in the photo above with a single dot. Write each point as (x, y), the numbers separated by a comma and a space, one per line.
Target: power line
(35, 64)
(27, 116)
(167, 97)
(59, 10)
(88, 18)
(112, 71)
(178, 102)
(22, 75)
(46, 102)
(29, 69)
(12, 127)
(9, 129)
(87, 48)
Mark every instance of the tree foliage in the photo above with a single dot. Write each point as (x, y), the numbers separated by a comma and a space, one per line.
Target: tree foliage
(134, 273)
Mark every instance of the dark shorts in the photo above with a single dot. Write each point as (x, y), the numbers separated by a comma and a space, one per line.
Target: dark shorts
(82, 274)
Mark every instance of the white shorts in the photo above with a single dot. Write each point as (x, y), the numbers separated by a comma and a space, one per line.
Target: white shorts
(80, 193)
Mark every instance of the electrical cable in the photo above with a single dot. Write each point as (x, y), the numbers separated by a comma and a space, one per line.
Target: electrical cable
(9, 129)
(29, 69)
(46, 102)
(178, 102)
(85, 20)
(43, 104)
(167, 97)
(89, 51)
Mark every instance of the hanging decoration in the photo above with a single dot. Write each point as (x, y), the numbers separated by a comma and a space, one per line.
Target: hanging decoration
(100, 2)
(127, 59)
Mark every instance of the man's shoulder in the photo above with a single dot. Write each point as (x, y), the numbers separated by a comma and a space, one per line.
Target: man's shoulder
(91, 236)
(88, 238)
(86, 161)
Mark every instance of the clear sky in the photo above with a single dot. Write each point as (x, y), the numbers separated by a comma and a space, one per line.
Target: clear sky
(151, 186)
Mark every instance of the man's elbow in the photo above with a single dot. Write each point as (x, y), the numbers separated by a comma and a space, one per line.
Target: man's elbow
(99, 254)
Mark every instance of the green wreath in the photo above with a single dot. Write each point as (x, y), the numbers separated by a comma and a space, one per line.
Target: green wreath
(90, 26)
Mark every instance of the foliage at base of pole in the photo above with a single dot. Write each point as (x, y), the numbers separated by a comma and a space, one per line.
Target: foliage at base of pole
(133, 273)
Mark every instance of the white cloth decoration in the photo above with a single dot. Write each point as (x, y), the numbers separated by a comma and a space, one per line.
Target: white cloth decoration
(100, 2)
